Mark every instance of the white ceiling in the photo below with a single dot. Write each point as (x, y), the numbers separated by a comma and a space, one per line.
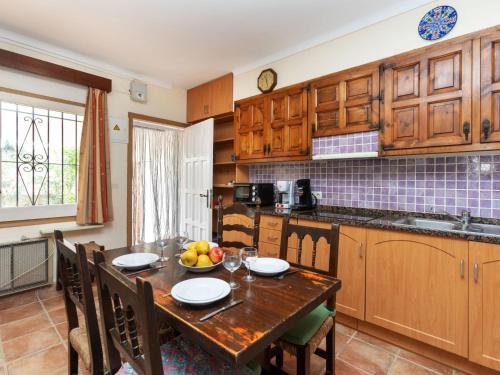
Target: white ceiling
(185, 42)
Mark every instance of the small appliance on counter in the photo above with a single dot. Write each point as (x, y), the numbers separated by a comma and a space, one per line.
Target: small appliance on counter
(305, 200)
(247, 193)
(295, 195)
(286, 194)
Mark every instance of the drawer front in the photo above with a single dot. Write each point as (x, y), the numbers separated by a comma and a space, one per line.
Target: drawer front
(271, 222)
(270, 236)
(268, 250)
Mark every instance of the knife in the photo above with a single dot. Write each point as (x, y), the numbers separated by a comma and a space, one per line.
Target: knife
(223, 308)
(145, 270)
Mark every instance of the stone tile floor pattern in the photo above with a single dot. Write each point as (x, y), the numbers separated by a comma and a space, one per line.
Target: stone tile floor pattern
(33, 334)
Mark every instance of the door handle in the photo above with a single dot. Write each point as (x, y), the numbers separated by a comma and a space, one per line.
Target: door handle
(486, 128)
(462, 268)
(360, 250)
(206, 196)
(466, 130)
(476, 272)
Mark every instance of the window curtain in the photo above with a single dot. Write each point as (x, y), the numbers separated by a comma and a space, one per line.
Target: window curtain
(94, 205)
(155, 183)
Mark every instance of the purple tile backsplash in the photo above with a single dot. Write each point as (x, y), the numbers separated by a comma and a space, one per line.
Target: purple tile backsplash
(423, 184)
(348, 143)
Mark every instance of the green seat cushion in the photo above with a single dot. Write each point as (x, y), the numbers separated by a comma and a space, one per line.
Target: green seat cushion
(305, 329)
(254, 367)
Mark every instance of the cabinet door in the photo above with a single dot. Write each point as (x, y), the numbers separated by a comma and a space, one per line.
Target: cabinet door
(222, 95)
(249, 129)
(352, 250)
(345, 103)
(417, 285)
(351, 265)
(427, 98)
(490, 88)
(484, 304)
(287, 131)
(198, 103)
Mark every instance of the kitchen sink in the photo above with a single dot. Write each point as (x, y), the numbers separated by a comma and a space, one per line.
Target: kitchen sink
(488, 229)
(428, 223)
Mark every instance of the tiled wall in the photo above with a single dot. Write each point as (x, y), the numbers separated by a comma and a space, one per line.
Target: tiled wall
(422, 184)
(348, 143)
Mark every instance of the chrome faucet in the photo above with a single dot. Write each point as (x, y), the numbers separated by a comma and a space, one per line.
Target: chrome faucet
(463, 219)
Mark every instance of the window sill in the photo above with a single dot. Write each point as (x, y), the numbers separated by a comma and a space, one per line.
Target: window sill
(48, 229)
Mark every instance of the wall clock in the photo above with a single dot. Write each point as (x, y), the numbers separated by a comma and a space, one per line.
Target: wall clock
(267, 80)
(437, 22)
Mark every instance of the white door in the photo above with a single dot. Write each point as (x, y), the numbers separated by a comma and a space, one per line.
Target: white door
(196, 180)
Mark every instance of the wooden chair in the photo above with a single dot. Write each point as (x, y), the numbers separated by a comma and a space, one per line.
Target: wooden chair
(304, 339)
(83, 340)
(131, 328)
(237, 225)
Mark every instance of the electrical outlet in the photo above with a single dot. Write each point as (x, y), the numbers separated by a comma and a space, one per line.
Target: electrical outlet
(317, 194)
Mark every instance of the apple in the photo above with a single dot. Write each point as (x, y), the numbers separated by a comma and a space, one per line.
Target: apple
(216, 254)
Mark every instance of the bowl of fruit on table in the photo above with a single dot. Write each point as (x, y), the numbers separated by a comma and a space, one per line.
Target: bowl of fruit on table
(201, 256)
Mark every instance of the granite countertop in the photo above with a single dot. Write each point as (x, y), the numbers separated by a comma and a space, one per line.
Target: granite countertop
(384, 219)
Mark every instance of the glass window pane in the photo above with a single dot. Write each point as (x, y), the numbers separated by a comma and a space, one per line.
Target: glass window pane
(55, 114)
(69, 116)
(25, 109)
(69, 184)
(55, 184)
(69, 128)
(40, 198)
(41, 112)
(55, 140)
(8, 133)
(8, 196)
(25, 185)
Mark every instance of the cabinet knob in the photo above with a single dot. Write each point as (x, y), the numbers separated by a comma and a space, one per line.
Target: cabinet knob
(466, 130)
(486, 128)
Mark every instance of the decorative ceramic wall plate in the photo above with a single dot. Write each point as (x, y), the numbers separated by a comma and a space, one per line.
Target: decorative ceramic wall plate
(437, 22)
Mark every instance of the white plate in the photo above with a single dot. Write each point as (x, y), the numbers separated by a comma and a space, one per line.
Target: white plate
(135, 260)
(199, 269)
(210, 244)
(269, 266)
(200, 291)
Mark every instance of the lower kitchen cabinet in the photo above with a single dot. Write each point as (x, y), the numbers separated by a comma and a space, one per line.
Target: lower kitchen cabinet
(417, 285)
(351, 268)
(484, 304)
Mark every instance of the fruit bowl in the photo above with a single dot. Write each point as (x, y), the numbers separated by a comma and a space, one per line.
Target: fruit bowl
(199, 269)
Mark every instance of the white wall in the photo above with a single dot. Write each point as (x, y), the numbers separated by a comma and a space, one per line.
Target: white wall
(390, 37)
(162, 102)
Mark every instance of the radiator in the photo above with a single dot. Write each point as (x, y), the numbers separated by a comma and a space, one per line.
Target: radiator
(23, 265)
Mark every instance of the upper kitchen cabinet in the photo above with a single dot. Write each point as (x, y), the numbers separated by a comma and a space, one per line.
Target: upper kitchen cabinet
(272, 127)
(428, 98)
(347, 102)
(210, 99)
(250, 141)
(490, 88)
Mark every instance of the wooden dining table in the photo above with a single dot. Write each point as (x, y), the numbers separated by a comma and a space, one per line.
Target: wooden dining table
(238, 335)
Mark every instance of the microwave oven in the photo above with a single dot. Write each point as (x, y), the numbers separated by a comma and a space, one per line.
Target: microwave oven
(247, 193)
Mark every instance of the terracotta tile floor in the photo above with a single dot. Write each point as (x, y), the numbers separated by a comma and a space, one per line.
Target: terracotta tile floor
(33, 341)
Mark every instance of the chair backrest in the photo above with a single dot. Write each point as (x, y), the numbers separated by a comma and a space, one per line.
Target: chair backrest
(237, 225)
(77, 291)
(304, 253)
(128, 313)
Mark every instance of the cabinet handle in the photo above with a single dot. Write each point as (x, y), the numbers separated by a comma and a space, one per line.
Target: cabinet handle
(466, 130)
(272, 224)
(360, 250)
(486, 128)
(476, 273)
(269, 238)
(268, 148)
(462, 268)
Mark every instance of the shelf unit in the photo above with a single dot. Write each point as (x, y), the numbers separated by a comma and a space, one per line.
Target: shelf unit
(225, 169)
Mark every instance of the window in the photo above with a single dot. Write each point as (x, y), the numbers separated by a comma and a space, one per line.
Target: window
(39, 151)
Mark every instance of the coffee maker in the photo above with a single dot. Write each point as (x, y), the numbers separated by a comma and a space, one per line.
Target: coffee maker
(305, 199)
(286, 194)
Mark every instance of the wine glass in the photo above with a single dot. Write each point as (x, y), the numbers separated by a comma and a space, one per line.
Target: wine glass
(182, 239)
(162, 244)
(249, 256)
(231, 262)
